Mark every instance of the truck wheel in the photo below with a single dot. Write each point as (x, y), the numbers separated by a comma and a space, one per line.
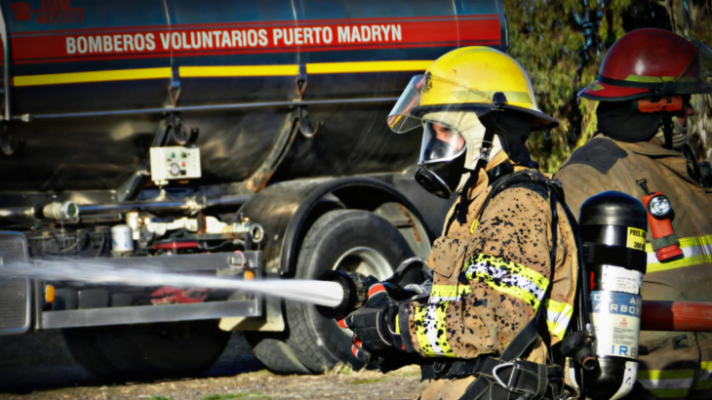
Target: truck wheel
(273, 351)
(147, 350)
(350, 241)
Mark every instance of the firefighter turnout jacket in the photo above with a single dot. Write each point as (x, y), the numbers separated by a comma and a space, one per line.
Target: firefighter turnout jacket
(491, 275)
(672, 365)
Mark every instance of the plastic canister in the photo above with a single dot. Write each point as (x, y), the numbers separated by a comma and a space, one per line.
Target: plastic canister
(121, 239)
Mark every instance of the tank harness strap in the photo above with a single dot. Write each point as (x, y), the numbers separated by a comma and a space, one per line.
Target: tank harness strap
(537, 327)
(668, 126)
(693, 168)
(627, 258)
(509, 374)
(521, 377)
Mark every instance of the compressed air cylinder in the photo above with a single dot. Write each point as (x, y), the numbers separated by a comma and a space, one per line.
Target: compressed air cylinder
(121, 239)
(613, 228)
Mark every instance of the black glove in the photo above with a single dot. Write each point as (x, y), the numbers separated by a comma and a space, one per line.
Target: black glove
(374, 324)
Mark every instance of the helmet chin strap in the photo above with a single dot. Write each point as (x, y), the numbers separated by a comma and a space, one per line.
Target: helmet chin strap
(482, 160)
(668, 127)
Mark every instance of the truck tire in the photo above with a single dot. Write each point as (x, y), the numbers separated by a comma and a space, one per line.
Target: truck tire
(147, 350)
(273, 351)
(351, 241)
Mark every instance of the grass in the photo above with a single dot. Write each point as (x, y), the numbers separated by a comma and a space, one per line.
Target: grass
(262, 372)
(160, 398)
(231, 396)
(341, 369)
(411, 370)
(365, 381)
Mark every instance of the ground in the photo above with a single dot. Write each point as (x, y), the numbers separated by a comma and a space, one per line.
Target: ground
(254, 385)
(38, 366)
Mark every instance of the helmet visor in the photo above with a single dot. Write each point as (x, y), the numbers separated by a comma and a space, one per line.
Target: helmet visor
(427, 94)
(698, 76)
(440, 143)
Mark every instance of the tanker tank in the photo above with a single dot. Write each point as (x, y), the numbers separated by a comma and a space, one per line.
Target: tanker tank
(95, 80)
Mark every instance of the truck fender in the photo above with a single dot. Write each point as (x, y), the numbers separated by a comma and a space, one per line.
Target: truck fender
(286, 211)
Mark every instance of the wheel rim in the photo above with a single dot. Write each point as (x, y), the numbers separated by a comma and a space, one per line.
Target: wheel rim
(363, 261)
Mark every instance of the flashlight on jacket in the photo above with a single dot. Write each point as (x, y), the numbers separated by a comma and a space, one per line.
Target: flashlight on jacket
(665, 241)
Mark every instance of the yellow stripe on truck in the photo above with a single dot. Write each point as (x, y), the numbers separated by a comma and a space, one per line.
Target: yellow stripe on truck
(92, 76)
(237, 71)
(227, 71)
(367, 66)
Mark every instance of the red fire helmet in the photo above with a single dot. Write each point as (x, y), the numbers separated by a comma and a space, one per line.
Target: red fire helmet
(652, 62)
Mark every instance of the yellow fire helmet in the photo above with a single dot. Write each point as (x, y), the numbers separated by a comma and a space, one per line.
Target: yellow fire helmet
(477, 79)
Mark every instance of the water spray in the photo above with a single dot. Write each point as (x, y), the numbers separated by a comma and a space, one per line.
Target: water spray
(335, 293)
(317, 292)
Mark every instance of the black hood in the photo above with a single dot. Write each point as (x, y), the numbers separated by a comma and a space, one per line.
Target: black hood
(618, 120)
(513, 129)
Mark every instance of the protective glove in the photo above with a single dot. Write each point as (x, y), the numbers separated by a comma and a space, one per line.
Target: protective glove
(375, 324)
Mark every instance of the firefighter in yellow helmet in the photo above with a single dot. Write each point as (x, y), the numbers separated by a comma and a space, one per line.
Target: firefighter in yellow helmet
(505, 266)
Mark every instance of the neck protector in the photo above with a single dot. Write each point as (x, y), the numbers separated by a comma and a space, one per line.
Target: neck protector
(619, 121)
(513, 130)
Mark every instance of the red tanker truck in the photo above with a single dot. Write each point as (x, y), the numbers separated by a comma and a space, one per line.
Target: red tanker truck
(230, 138)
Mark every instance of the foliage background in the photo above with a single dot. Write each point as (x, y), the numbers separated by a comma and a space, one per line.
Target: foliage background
(561, 44)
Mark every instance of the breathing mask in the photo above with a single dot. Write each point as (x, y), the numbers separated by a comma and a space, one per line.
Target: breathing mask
(452, 143)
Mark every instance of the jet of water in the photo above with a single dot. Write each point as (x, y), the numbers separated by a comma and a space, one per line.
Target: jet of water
(329, 294)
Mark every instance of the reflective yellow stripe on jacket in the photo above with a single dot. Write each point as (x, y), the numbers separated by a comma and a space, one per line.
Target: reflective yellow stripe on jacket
(508, 277)
(504, 276)
(524, 283)
(558, 316)
(433, 342)
(697, 251)
(667, 383)
(704, 377)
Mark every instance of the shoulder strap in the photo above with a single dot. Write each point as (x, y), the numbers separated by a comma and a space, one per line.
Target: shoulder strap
(537, 327)
(526, 178)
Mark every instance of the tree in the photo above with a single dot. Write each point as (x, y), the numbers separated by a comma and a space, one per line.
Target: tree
(561, 44)
(693, 20)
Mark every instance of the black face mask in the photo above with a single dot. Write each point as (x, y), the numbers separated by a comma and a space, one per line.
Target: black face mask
(513, 129)
(441, 179)
(618, 120)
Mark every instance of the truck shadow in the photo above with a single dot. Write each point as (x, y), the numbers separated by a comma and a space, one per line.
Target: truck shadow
(40, 360)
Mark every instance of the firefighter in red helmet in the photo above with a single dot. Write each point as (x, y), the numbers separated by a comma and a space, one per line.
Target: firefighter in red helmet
(644, 88)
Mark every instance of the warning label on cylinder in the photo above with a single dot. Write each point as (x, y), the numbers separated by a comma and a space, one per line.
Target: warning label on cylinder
(620, 279)
(616, 318)
(635, 239)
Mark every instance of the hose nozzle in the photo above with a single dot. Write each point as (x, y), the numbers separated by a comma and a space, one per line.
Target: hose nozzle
(355, 289)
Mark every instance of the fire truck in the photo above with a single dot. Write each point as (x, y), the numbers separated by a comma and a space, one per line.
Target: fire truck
(227, 138)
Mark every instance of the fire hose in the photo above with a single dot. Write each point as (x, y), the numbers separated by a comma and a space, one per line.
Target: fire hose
(685, 316)
(336, 293)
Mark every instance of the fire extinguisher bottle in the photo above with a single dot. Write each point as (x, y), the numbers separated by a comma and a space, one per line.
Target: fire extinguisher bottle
(613, 229)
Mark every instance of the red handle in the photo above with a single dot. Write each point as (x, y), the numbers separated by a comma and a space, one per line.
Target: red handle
(686, 316)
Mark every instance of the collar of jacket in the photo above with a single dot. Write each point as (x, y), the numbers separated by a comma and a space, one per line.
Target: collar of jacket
(487, 175)
(674, 160)
(651, 148)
